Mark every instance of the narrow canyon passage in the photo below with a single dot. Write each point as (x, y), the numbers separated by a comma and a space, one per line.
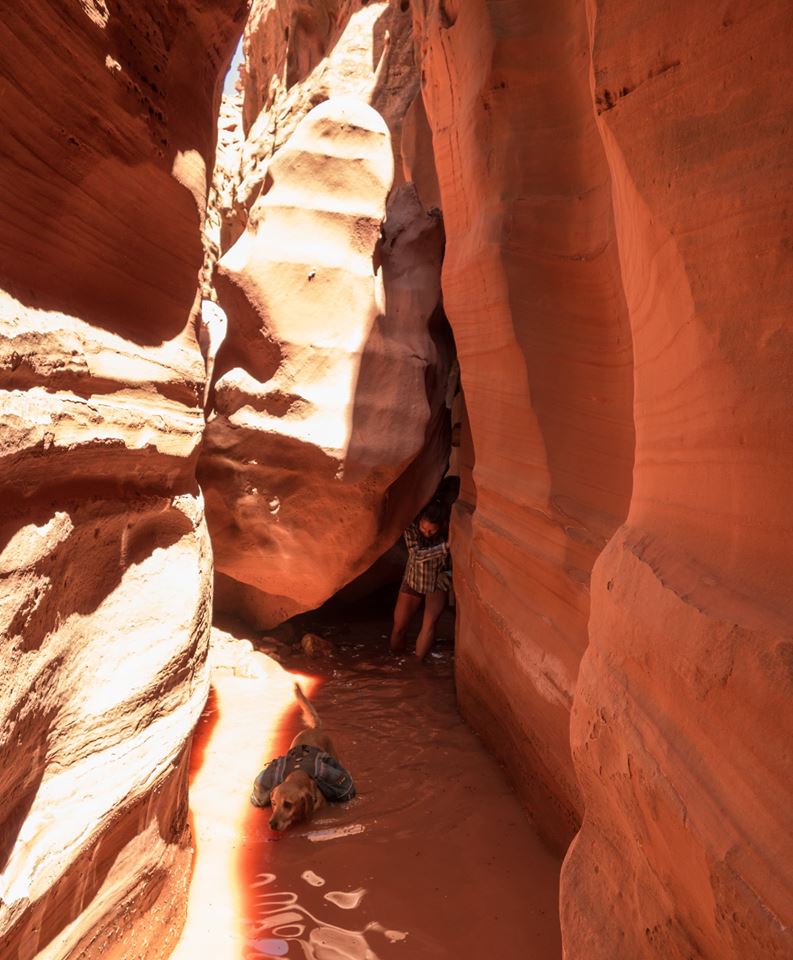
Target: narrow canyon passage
(232, 333)
(433, 858)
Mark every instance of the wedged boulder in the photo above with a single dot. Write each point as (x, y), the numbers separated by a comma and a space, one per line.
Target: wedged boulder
(329, 424)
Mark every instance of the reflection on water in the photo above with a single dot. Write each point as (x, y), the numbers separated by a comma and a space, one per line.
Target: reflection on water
(249, 692)
(346, 901)
(316, 836)
(282, 921)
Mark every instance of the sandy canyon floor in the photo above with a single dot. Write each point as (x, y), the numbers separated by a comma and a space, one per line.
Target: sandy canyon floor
(434, 858)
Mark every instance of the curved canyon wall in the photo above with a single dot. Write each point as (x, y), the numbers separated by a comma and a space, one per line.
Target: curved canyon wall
(682, 723)
(106, 564)
(328, 427)
(613, 178)
(531, 284)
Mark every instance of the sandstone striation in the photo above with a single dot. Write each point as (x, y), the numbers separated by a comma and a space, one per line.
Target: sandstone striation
(328, 425)
(105, 563)
(532, 288)
(682, 723)
(613, 180)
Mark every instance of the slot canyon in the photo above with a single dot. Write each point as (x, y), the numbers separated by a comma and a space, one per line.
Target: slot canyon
(268, 270)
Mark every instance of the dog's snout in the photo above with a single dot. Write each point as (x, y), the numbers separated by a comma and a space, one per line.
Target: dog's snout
(273, 824)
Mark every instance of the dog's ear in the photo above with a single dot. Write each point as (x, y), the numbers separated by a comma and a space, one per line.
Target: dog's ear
(304, 807)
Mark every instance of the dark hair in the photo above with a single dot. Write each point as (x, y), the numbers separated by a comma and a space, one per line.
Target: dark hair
(435, 513)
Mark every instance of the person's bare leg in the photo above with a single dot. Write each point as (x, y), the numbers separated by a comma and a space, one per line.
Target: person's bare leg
(433, 608)
(405, 609)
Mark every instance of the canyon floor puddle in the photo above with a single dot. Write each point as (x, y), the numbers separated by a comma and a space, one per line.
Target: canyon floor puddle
(434, 858)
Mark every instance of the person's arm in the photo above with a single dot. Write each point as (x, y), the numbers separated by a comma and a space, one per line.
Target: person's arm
(411, 536)
(428, 553)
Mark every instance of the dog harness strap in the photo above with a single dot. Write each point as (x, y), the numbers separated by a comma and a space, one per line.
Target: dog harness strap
(302, 758)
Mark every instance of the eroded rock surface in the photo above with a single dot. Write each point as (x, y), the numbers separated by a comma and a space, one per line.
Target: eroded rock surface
(613, 179)
(682, 724)
(105, 563)
(613, 189)
(328, 426)
(531, 283)
(298, 54)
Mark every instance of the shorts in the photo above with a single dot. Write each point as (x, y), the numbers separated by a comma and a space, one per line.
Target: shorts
(443, 582)
(404, 588)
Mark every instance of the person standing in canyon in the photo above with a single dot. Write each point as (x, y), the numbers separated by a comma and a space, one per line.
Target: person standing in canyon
(425, 579)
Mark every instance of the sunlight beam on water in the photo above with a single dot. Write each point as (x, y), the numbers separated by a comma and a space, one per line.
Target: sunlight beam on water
(235, 738)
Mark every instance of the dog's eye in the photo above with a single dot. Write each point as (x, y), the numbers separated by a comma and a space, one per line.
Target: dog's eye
(287, 805)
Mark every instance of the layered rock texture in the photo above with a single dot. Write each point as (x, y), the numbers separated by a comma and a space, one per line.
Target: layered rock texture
(531, 283)
(597, 195)
(105, 564)
(613, 178)
(328, 427)
(682, 724)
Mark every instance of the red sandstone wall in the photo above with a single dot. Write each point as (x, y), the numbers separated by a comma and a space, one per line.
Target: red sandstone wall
(105, 563)
(614, 180)
(531, 284)
(682, 724)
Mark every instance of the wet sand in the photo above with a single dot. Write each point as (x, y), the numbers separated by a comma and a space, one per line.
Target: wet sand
(434, 858)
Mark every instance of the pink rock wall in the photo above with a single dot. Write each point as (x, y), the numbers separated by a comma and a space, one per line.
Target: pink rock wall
(105, 563)
(531, 284)
(682, 724)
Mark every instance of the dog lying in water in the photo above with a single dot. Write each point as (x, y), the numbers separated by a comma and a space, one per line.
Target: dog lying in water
(298, 784)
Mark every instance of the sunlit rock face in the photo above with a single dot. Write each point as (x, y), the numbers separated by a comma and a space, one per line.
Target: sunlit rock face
(328, 427)
(531, 284)
(299, 53)
(682, 724)
(105, 564)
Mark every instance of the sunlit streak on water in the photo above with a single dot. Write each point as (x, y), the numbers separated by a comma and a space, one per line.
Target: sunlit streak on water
(235, 738)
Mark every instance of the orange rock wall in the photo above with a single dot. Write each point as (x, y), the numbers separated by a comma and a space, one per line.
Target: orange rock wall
(105, 562)
(531, 284)
(682, 724)
(614, 181)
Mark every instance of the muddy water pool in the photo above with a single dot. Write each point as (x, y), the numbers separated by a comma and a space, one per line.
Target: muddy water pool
(434, 858)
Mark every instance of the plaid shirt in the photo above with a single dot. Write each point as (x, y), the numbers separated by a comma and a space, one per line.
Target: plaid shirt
(426, 560)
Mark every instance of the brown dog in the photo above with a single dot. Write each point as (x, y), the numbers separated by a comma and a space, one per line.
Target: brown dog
(314, 774)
